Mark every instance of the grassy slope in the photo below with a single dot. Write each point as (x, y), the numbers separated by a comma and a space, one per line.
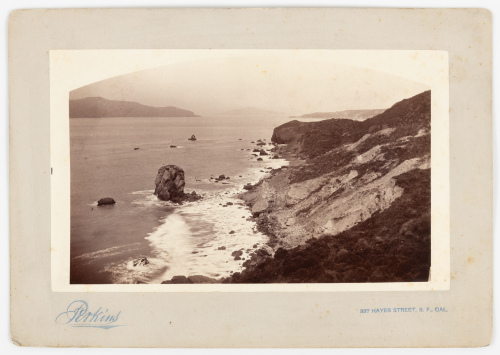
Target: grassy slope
(392, 245)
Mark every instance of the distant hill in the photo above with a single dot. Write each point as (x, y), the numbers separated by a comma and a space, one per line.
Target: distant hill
(100, 107)
(357, 115)
(250, 111)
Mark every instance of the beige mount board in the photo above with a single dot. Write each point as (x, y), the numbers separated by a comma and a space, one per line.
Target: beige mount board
(454, 308)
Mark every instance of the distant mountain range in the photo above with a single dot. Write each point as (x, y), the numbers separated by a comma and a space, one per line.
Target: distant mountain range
(250, 111)
(91, 107)
(356, 115)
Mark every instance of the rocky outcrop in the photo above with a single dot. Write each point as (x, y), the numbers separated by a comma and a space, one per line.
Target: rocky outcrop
(356, 209)
(141, 261)
(195, 279)
(106, 201)
(170, 184)
(259, 206)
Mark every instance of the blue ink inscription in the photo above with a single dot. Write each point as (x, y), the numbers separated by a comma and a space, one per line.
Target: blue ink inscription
(403, 310)
(78, 315)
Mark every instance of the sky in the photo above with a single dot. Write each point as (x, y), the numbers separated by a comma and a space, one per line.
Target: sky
(287, 82)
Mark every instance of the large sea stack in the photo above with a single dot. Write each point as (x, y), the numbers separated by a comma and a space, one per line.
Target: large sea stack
(170, 185)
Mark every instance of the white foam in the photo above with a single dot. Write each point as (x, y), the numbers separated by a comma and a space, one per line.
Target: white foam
(104, 253)
(188, 240)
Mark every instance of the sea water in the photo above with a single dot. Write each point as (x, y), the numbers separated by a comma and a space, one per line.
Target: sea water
(195, 238)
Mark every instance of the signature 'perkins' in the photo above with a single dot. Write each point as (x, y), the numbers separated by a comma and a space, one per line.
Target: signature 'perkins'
(78, 315)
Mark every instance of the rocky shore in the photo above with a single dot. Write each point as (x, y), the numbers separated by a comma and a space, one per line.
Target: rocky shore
(354, 205)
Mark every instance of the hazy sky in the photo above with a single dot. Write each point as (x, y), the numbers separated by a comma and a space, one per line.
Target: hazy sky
(283, 83)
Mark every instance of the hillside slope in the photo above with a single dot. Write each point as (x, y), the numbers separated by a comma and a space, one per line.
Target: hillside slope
(99, 107)
(357, 209)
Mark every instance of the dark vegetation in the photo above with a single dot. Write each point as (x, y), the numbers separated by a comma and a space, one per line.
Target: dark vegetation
(315, 138)
(391, 246)
(321, 142)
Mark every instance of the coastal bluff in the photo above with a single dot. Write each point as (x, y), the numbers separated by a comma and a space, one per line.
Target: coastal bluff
(169, 185)
(355, 204)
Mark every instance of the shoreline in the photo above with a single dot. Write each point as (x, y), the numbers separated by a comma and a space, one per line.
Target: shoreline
(228, 208)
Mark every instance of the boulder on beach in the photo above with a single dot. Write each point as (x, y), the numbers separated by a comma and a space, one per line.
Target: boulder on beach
(106, 201)
(261, 144)
(200, 279)
(237, 253)
(248, 186)
(260, 159)
(178, 280)
(263, 152)
(136, 148)
(173, 146)
(193, 138)
(195, 279)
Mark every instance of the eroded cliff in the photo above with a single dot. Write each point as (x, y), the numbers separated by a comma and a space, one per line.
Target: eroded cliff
(356, 209)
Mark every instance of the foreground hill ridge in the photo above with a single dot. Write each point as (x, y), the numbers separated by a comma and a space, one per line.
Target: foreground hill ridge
(355, 204)
(94, 107)
(357, 115)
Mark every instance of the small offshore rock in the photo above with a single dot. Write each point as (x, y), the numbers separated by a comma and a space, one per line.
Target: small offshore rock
(141, 261)
(106, 201)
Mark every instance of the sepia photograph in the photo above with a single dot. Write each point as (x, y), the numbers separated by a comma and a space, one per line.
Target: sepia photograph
(250, 178)
(279, 167)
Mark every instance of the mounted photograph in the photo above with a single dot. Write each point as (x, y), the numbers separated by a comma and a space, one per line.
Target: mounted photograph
(251, 167)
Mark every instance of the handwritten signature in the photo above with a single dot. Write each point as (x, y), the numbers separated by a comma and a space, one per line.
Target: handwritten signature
(78, 315)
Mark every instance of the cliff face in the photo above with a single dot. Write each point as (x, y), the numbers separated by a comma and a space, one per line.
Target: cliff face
(358, 208)
(100, 107)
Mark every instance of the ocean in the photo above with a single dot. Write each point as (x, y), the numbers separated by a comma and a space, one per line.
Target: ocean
(190, 239)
